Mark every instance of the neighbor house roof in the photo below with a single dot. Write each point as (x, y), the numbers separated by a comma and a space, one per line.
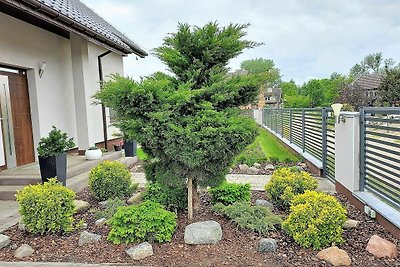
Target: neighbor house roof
(74, 16)
(368, 81)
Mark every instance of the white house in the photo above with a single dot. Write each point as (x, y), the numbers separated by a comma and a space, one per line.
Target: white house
(52, 54)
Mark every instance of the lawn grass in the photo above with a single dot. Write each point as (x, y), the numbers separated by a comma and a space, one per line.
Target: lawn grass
(141, 154)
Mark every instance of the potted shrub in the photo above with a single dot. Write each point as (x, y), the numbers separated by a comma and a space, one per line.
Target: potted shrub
(93, 153)
(130, 148)
(52, 155)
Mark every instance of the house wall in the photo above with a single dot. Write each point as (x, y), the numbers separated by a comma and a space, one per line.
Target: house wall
(52, 96)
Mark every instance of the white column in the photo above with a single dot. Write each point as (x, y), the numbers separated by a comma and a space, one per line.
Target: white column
(347, 151)
(80, 72)
(258, 113)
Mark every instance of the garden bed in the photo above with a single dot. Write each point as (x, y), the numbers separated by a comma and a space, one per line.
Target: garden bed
(238, 247)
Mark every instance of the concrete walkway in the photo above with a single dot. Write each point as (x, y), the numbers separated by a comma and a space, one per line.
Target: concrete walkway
(58, 264)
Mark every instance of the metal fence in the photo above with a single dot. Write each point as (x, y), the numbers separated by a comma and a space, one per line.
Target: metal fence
(380, 153)
(311, 130)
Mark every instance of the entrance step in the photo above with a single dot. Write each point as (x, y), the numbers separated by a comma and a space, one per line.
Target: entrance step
(9, 185)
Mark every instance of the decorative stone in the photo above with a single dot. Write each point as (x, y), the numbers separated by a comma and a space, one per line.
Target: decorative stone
(24, 251)
(244, 167)
(349, 224)
(4, 241)
(100, 222)
(257, 165)
(253, 170)
(267, 245)
(380, 247)
(335, 256)
(104, 204)
(87, 238)
(81, 206)
(140, 251)
(135, 199)
(269, 167)
(264, 203)
(21, 226)
(207, 232)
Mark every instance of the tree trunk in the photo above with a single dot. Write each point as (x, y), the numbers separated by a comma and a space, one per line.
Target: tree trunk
(190, 199)
(195, 196)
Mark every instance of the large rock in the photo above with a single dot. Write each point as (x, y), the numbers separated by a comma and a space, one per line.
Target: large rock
(349, 224)
(4, 241)
(135, 199)
(208, 232)
(264, 203)
(267, 245)
(257, 165)
(140, 251)
(87, 238)
(253, 170)
(335, 256)
(100, 222)
(24, 251)
(81, 206)
(380, 247)
(244, 167)
(269, 167)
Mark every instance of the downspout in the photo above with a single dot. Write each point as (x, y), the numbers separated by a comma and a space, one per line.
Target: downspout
(103, 108)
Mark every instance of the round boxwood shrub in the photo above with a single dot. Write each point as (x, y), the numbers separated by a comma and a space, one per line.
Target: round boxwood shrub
(315, 220)
(47, 208)
(229, 193)
(111, 180)
(147, 221)
(286, 183)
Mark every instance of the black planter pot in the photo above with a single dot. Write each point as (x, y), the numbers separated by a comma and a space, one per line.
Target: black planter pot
(55, 166)
(130, 148)
(117, 148)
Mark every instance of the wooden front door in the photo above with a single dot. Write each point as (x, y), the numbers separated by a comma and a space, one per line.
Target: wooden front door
(18, 99)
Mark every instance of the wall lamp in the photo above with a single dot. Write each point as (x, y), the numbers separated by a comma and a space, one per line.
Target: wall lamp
(336, 111)
(42, 68)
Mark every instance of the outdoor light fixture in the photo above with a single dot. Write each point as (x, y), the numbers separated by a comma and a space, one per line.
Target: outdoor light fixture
(42, 68)
(336, 111)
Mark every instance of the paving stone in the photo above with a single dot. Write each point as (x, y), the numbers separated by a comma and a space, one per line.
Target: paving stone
(380, 247)
(140, 251)
(207, 232)
(335, 256)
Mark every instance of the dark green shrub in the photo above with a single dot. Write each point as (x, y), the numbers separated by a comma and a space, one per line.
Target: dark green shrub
(173, 198)
(110, 209)
(47, 208)
(56, 143)
(111, 180)
(229, 193)
(315, 220)
(286, 183)
(147, 221)
(255, 218)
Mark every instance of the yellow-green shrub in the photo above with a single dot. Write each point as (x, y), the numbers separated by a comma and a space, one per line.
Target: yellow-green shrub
(111, 180)
(47, 208)
(286, 183)
(315, 220)
(229, 193)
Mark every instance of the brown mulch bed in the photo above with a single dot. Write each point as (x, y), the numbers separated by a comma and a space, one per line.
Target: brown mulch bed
(237, 248)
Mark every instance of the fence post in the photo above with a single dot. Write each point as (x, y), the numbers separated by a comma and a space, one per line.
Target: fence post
(290, 126)
(324, 142)
(303, 130)
(282, 123)
(362, 149)
(276, 121)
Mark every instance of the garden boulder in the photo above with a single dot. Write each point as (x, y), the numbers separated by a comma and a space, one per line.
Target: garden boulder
(81, 206)
(264, 203)
(140, 251)
(335, 256)
(380, 247)
(24, 251)
(207, 232)
(4, 241)
(267, 245)
(135, 199)
(87, 237)
(244, 167)
(350, 224)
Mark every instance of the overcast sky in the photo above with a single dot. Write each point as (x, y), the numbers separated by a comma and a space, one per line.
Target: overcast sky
(306, 39)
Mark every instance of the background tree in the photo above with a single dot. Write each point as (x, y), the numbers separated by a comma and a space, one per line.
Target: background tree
(389, 89)
(372, 63)
(189, 123)
(263, 66)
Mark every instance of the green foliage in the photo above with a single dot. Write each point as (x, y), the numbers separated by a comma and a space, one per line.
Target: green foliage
(315, 220)
(147, 221)
(252, 154)
(47, 208)
(389, 89)
(261, 65)
(296, 101)
(55, 143)
(372, 63)
(110, 209)
(229, 193)
(189, 121)
(286, 184)
(141, 154)
(255, 218)
(111, 180)
(173, 198)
